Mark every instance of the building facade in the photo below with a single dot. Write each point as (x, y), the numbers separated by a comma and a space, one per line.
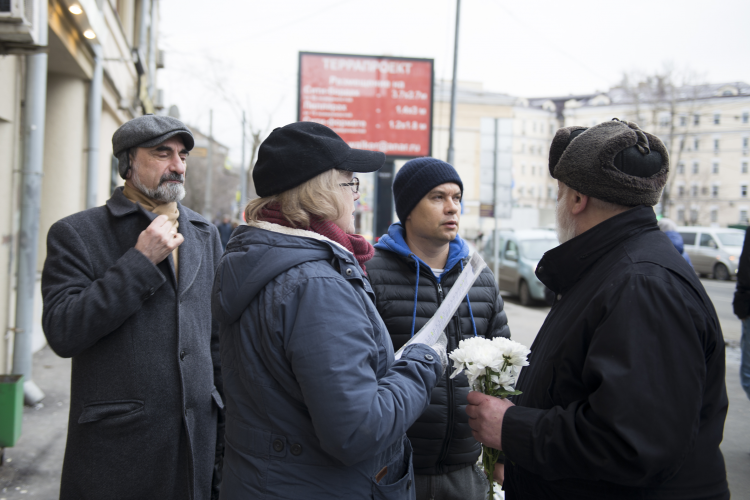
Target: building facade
(99, 72)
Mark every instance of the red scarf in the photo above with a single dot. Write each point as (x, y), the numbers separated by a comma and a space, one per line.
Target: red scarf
(356, 244)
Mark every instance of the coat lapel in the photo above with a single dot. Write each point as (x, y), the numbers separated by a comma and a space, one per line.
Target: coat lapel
(196, 234)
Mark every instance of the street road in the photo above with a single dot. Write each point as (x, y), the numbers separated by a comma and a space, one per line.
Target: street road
(721, 294)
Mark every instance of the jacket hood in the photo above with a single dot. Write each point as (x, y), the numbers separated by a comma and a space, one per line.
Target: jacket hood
(394, 242)
(676, 240)
(259, 252)
(457, 250)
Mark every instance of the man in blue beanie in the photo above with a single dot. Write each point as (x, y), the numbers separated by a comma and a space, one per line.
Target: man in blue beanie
(413, 269)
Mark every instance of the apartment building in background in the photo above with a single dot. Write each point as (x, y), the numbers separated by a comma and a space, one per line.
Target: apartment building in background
(706, 129)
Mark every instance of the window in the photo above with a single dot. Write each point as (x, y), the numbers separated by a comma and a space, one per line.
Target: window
(687, 238)
(715, 167)
(523, 169)
(680, 191)
(533, 170)
(681, 167)
(696, 144)
(717, 119)
(550, 193)
(511, 250)
(696, 119)
(714, 191)
(664, 120)
(714, 215)
(683, 121)
(743, 216)
(704, 190)
(716, 145)
(743, 191)
(707, 241)
(693, 215)
(743, 167)
(745, 142)
(694, 191)
(745, 116)
(682, 144)
(695, 167)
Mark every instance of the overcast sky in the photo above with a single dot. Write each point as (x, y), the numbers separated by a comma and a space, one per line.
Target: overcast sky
(230, 55)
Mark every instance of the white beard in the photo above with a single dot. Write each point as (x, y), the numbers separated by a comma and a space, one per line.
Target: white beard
(166, 192)
(566, 224)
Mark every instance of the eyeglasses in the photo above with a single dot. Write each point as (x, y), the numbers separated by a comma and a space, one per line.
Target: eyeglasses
(354, 185)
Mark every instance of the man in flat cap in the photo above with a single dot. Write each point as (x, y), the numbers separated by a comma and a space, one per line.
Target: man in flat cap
(624, 396)
(126, 291)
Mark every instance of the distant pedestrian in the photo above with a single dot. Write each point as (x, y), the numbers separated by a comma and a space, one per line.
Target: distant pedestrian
(317, 406)
(225, 230)
(415, 265)
(145, 410)
(668, 227)
(625, 394)
(742, 310)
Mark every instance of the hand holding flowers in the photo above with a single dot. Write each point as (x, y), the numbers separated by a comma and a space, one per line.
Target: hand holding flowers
(492, 367)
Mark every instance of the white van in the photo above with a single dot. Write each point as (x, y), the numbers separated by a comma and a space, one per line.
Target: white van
(714, 251)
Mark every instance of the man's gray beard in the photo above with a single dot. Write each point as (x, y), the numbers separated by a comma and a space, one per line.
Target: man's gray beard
(166, 192)
(566, 225)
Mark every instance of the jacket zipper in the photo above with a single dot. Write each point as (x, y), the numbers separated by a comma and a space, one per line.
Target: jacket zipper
(449, 386)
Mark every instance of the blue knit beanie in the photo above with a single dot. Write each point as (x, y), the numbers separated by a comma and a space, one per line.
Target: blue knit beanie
(417, 178)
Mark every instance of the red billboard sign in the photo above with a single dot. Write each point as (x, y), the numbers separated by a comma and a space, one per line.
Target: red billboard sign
(376, 103)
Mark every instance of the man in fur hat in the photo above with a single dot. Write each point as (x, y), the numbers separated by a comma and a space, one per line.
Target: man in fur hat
(625, 395)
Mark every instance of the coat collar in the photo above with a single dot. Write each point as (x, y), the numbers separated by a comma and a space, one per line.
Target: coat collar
(193, 227)
(563, 266)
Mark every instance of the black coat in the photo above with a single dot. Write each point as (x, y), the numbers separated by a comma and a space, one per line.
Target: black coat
(625, 393)
(145, 372)
(441, 437)
(741, 301)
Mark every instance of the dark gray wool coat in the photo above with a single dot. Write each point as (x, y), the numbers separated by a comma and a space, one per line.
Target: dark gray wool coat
(144, 400)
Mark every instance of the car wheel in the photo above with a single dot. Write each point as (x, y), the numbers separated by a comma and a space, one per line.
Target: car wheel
(721, 272)
(524, 293)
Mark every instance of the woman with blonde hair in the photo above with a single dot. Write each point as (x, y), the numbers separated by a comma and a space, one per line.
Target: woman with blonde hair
(316, 405)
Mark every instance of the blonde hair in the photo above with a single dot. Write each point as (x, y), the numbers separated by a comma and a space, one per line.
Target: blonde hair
(321, 196)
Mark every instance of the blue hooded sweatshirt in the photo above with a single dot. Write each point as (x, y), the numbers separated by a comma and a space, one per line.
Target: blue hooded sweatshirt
(458, 250)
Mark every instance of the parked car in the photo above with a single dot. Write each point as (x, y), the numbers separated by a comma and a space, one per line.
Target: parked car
(714, 251)
(519, 254)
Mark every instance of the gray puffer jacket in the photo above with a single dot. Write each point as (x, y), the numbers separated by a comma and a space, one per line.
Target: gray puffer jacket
(317, 408)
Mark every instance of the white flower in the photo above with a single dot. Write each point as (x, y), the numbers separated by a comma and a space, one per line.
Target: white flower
(502, 356)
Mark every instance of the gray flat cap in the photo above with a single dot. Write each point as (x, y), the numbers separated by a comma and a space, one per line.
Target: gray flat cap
(145, 132)
(614, 161)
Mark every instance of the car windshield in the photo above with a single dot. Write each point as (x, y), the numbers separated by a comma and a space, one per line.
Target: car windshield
(534, 249)
(731, 239)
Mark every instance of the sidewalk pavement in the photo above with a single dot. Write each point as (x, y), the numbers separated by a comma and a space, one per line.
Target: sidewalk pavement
(32, 468)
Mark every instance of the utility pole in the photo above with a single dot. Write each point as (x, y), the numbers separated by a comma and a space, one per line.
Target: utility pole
(452, 132)
(207, 201)
(243, 180)
(495, 235)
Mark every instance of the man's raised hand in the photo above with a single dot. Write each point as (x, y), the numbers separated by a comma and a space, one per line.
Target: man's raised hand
(158, 240)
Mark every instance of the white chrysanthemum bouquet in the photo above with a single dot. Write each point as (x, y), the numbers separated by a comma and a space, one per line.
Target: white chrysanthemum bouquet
(492, 367)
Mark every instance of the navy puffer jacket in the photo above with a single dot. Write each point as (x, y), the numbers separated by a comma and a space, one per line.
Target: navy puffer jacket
(317, 408)
(441, 437)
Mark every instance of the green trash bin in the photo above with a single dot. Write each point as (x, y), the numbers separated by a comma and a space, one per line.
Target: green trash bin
(11, 409)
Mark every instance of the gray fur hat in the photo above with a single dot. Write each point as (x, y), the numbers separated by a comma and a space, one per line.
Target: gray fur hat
(147, 131)
(614, 161)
